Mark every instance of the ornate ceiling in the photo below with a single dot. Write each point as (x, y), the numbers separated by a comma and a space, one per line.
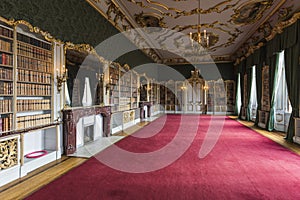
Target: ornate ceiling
(233, 25)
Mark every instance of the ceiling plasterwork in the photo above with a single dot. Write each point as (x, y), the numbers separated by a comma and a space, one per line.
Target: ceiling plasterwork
(234, 25)
(250, 12)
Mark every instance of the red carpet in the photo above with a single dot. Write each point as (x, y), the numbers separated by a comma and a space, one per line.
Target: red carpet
(242, 165)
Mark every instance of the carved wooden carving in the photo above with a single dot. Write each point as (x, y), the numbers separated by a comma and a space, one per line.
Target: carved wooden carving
(71, 118)
(8, 153)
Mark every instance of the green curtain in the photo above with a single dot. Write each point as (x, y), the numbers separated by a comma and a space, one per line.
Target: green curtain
(249, 86)
(292, 71)
(249, 91)
(274, 82)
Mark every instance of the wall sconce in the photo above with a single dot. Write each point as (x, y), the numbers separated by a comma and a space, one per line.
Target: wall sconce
(182, 87)
(61, 79)
(205, 88)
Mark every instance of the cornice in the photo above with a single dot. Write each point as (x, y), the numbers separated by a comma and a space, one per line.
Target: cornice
(277, 29)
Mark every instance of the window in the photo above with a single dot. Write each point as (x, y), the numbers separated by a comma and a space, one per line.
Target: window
(282, 103)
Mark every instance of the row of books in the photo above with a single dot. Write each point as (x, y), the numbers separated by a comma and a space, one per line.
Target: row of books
(33, 64)
(6, 74)
(5, 105)
(124, 101)
(33, 104)
(34, 52)
(6, 88)
(5, 46)
(27, 89)
(33, 121)
(5, 123)
(6, 59)
(33, 41)
(33, 76)
(6, 32)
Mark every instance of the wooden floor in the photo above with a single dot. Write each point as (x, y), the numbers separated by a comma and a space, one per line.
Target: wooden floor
(23, 187)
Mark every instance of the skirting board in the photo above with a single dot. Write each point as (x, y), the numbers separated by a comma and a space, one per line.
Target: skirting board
(10, 174)
(35, 163)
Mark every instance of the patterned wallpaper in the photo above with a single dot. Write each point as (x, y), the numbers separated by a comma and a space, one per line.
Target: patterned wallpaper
(68, 20)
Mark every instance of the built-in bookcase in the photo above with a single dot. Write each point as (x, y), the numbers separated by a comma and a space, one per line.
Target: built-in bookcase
(6, 78)
(122, 87)
(26, 100)
(34, 82)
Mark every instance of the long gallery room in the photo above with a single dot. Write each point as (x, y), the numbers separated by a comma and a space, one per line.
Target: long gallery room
(150, 99)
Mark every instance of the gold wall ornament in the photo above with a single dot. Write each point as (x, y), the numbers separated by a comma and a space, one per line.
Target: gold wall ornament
(84, 48)
(126, 67)
(37, 30)
(250, 12)
(8, 153)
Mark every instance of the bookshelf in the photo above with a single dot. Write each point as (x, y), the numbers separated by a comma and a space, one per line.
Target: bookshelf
(26, 99)
(114, 83)
(220, 96)
(134, 90)
(230, 95)
(162, 90)
(210, 96)
(125, 89)
(170, 96)
(34, 86)
(6, 78)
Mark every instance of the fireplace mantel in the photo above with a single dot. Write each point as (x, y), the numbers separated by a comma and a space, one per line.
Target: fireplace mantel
(71, 117)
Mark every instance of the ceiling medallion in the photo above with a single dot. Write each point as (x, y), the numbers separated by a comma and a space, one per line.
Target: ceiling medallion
(149, 20)
(250, 12)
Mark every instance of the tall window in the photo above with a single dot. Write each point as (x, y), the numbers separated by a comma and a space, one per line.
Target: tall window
(238, 95)
(253, 96)
(283, 106)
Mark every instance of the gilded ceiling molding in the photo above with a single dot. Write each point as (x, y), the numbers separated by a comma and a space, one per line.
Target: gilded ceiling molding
(179, 13)
(149, 20)
(204, 60)
(282, 25)
(277, 29)
(284, 13)
(250, 12)
(118, 19)
(214, 9)
(215, 25)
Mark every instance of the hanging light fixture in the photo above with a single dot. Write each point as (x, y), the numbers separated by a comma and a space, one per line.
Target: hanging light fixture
(201, 38)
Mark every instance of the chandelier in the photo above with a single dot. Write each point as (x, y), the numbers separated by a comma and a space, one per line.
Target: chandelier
(201, 38)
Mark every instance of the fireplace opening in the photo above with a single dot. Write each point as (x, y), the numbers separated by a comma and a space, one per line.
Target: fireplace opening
(88, 133)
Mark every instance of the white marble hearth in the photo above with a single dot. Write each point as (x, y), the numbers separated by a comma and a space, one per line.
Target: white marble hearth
(92, 148)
